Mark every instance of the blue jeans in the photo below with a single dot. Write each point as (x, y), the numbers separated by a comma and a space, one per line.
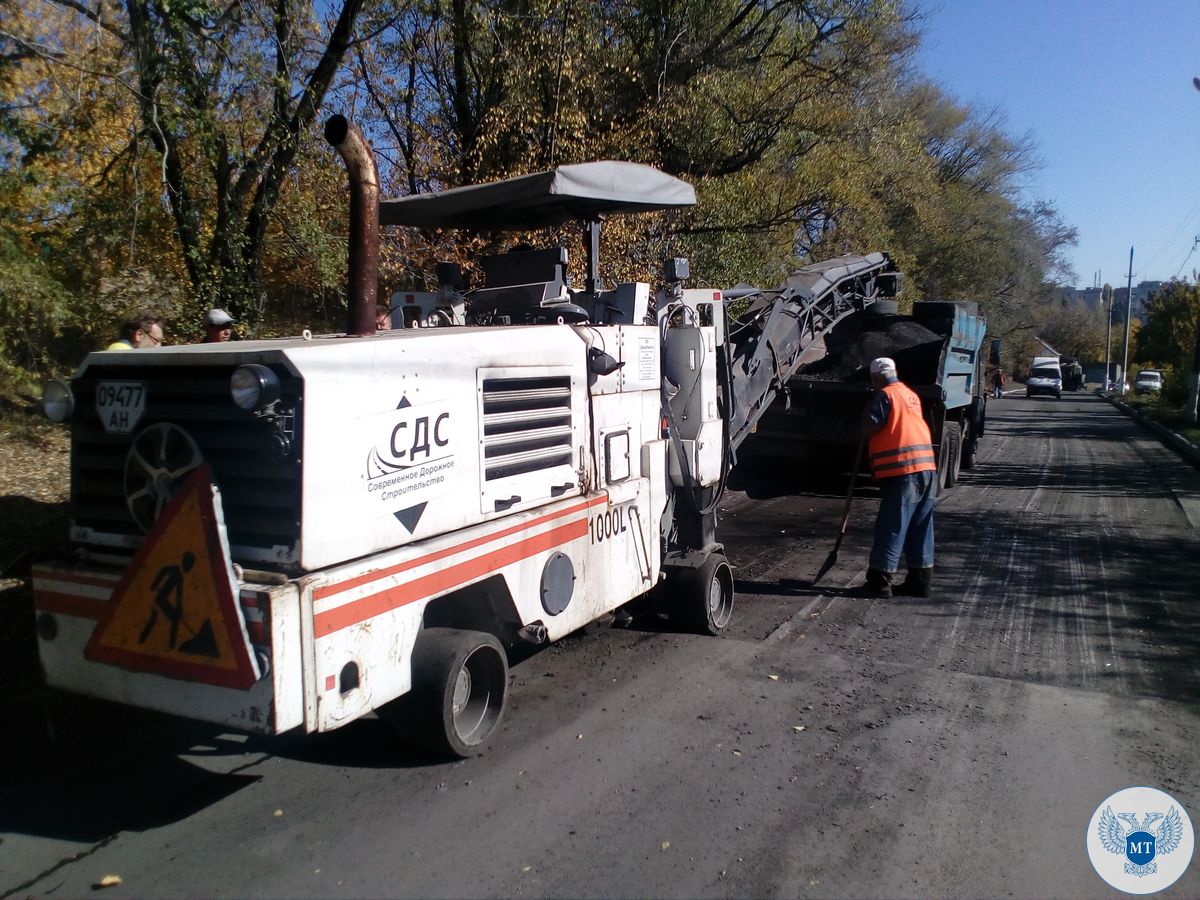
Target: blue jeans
(905, 522)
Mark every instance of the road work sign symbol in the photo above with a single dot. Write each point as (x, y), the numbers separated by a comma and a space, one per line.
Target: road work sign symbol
(175, 611)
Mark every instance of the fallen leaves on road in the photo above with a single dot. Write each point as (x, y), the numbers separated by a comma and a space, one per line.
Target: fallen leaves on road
(665, 845)
(278, 813)
(106, 882)
(798, 728)
(773, 677)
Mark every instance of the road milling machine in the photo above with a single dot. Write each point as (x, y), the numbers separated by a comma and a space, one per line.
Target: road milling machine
(292, 533)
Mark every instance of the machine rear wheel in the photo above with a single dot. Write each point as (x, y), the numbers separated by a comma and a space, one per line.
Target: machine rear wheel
(459, 691)
(701, 599)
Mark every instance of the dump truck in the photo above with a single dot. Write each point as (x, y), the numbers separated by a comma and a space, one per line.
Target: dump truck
(292, 533)
(939, 353)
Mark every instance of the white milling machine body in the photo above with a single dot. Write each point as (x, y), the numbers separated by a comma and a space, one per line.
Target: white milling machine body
(275, 534)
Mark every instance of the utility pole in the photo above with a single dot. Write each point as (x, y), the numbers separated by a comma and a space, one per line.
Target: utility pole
(1194, 382)
(1191, 413)
(1106, 297)
(1128, 313)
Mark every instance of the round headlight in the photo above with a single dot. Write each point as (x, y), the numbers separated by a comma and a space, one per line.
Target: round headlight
(57, 401)
(254, 387)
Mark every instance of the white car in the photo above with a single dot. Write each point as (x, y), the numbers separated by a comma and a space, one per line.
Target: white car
(1148, 381)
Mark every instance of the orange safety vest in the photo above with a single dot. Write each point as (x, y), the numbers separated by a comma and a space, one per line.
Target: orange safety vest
(903, 444)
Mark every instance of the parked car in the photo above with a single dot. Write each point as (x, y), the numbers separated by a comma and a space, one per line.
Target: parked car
(1148, 381)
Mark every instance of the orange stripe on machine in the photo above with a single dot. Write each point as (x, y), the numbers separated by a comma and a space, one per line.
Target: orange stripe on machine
(327, 623)
(330, 589)
(69, 604)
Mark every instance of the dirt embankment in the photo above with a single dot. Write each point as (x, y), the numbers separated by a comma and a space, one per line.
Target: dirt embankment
(34, 489)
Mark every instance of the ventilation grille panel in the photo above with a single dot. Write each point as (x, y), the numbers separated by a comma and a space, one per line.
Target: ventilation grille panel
(526, 425)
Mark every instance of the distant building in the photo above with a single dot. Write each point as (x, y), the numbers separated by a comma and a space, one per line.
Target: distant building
(1091, 298)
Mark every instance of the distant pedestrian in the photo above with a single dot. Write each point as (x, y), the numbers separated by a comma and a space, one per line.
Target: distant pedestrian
(218, 326)
(997, 382)
(142, 332)
(902, 460)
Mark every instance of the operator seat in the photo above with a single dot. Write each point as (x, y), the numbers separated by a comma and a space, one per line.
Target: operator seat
(527, 285)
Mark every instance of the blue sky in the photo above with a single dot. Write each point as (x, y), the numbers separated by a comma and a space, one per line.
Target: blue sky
(1104, 89)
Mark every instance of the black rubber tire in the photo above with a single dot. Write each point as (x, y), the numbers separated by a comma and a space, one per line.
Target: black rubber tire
(459, 692)
(950, 459)
(967, 456)
(701, 599)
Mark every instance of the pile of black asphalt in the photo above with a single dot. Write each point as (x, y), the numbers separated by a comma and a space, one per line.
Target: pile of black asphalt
(857, 339)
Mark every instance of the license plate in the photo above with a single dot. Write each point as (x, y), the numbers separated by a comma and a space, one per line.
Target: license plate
(120, 405)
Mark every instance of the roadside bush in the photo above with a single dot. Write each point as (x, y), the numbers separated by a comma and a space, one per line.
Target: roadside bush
(1175, 386)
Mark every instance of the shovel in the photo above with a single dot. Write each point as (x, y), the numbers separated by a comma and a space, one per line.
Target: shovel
(832, 557)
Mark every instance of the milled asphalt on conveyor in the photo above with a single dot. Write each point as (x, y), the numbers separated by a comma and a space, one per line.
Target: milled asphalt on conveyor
(825, 746)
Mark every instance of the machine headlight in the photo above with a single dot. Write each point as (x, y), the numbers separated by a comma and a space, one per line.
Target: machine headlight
(58, 403)
(254, 387)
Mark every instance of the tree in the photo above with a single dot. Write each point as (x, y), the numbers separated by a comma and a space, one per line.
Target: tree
(1172, 315)
(205, 76)
(732, 95)
(1169, 337)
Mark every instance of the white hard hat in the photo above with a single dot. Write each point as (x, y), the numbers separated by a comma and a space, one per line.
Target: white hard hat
(884, 365)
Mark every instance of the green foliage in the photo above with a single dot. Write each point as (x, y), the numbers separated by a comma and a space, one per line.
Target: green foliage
(32, 304)
(165, 155)
(1168, 339)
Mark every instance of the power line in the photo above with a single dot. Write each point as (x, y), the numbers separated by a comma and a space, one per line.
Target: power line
(1189, 256)
(1187, 220)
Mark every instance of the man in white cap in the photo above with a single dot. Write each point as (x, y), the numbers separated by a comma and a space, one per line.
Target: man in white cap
(900, 448)
(218, 326)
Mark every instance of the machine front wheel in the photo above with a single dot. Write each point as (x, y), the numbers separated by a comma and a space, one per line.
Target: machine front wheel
(701, 599)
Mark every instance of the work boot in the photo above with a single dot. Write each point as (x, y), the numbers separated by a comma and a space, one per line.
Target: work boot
(917, 583)
(878, 584)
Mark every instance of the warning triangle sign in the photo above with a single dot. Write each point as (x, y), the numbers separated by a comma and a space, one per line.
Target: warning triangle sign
(175, 611)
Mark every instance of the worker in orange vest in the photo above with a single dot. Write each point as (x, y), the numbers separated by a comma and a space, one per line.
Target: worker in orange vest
(900, 448)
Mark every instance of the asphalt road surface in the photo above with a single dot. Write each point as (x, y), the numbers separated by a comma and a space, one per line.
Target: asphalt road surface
(824, 746)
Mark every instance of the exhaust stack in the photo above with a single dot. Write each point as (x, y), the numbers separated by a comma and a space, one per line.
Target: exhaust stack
(363, 275)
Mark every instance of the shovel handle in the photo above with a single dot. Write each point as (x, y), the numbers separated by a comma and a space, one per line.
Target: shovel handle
(858, 458)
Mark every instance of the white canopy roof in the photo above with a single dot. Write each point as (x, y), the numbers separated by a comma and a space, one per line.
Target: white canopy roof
(586, 191)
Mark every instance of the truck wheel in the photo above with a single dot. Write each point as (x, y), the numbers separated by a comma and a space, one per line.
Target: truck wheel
(968, 449)
(701, 600)
(951, 459)
(459, 691)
